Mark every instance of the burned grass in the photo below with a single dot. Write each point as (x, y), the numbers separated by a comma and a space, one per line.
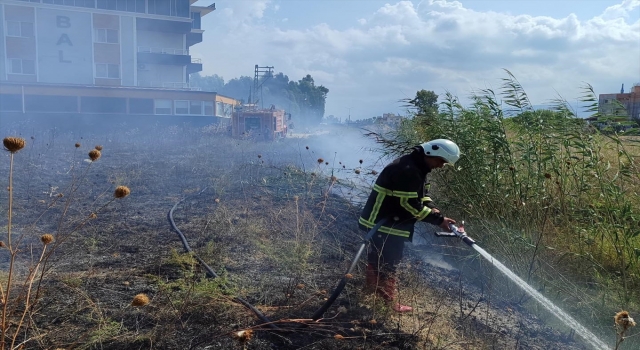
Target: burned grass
(277, 235)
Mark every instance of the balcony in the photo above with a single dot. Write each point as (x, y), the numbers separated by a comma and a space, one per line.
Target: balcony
(194, 66)
(159, 55)
(167, 85)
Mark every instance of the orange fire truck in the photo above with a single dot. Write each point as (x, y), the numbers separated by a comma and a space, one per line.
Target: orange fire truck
(251, 122)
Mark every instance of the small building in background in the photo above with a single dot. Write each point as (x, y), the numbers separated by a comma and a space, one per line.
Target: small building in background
(630, 101)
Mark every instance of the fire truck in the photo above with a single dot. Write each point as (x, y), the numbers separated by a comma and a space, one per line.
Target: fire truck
(248, 121)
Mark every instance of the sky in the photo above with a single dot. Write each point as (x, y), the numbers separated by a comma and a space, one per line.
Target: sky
(371, 54)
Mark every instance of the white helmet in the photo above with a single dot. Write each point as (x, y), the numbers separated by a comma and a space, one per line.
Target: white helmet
(442, 148)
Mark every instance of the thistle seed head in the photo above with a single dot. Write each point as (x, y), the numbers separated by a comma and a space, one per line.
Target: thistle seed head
(121, 192)
(2, 245)
(13, 144)
(320, 160)
(243, 336)
(94, 154)
(46, 238)
(77, 145)
(360, 161)
(624, 320)
(93, 216)
(547, 175)
(98, 147)
(357, 171)
(338, 337)
(140, 300)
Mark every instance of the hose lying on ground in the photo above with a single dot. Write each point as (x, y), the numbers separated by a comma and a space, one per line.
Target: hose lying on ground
(343, 282)
(208, 269)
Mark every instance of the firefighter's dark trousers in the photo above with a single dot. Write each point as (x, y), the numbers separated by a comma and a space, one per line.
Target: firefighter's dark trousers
(385, 252)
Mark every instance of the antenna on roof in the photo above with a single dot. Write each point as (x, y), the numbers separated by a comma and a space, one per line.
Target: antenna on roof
(622, 89)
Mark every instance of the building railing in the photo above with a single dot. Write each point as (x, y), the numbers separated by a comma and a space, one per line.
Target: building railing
(168, 51)
(167, 85)
(196, 60)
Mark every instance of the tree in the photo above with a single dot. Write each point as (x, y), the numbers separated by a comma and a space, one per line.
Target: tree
(426, 102)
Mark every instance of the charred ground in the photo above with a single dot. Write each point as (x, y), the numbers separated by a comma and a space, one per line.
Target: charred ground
(280, 235)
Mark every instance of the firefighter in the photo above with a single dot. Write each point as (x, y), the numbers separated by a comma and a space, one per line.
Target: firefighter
(400, 194)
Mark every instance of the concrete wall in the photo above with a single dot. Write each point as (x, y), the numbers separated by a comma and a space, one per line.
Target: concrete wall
(65, 46)
(3, 55)
(128, 50)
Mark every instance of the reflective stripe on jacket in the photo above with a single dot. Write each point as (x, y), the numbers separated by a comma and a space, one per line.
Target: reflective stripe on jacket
(400, 193)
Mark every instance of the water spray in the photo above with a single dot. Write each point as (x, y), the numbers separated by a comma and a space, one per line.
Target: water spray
(588, 336)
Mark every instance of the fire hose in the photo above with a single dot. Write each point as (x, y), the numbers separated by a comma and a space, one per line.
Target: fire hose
(343, 282)
(209, 271)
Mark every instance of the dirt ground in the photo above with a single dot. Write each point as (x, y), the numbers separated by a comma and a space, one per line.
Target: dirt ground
(271, 219)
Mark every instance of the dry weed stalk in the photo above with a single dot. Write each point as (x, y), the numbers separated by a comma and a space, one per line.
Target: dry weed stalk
(16, 308)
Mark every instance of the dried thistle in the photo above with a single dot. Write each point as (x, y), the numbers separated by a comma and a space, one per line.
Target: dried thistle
(295, 198)
(300, 286)
(357, 171)
(547, 175)
(348, 276)
(326, 163)
(373, 172)
(334, 179)
(93, 216)
(2, 245)
(77, 145)
(94, 154)
(338, 337)
(243, 336)
(98, 147)
(13, 144)
(217, 200)
(259, 155)
(373, 321)
(360, 161)
(121, 192)
(140, 300)
(320, 160)
(46, 238)
(307, 147)
(623, 320)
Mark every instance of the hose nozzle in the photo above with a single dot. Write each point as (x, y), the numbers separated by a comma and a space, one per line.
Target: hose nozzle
(460, 233)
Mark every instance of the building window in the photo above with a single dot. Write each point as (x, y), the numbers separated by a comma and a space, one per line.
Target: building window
(140, 106)
(20, 66)
(123, 5)
(182, 107)
(20, 29)
(208, 107)
(109, 71)
(195, 107)
(163, 106)
(177, 8)
(109, 36)
(77, 3)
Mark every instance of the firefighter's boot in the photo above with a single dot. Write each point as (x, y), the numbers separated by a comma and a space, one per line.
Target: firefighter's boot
(371, 279)
(387, 290)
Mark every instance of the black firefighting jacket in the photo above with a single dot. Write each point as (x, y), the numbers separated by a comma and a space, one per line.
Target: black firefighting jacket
(401, 195)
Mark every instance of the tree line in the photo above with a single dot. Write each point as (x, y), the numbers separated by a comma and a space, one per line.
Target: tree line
(303, 98)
